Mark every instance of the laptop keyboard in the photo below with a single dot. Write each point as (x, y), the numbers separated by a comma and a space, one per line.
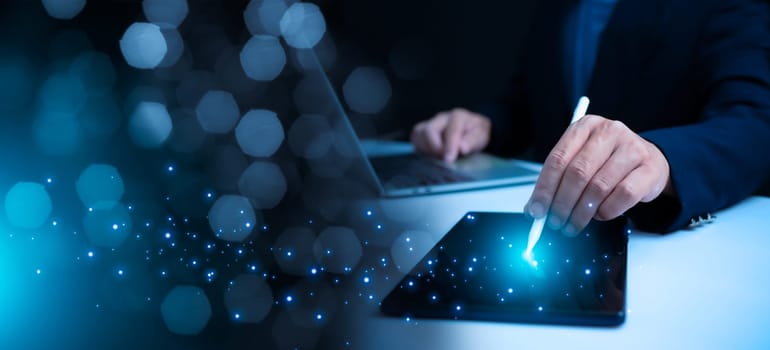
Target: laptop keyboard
(405, 171)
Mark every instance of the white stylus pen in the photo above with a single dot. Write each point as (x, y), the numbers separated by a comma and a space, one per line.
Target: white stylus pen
(537, 225)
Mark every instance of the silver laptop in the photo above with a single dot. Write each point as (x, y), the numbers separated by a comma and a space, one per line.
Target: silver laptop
(399, 171)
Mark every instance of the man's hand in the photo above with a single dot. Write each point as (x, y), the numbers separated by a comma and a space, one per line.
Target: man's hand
(598, 169)
(451, 134)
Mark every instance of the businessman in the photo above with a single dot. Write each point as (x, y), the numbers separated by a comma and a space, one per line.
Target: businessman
(679, 122)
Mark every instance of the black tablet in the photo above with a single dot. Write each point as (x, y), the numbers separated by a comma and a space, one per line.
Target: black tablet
(479, 271)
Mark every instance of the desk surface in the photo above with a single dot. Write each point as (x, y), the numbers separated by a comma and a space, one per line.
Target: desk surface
(699, 288)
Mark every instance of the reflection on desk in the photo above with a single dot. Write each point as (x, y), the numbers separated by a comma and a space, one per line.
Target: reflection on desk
(699, 288)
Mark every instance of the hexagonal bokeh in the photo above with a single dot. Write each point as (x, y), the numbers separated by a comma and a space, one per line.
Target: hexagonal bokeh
(303, 25)
(232, 218)
(150, 125)
(367, 90)
(293, 251)
(263, 58)
(100, 186)
(143, 45)
(248, 298)
(61, 93)
(186, 310)
(100, 116)
(108, 227)
(259, 133)
(27, 205)
(217, 112)
(264, 16)
(338, 249)
(174, 45)
(95, 71)
(263, 182)
(171, 12)
(63, 9)
(311, 136)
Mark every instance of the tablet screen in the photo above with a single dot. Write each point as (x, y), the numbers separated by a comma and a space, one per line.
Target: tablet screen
(479, 271)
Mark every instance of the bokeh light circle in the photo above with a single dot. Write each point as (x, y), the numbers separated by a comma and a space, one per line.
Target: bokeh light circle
(338, 249)
(249, 297)
(108, 227)
(150, 124)
(171, 12)
(232, 218)
(95, 71)
(174, 46)
(367, 90)
(293, 251)
(63, 9)
(143, 45)
(259, 133)
(310, 136)
(186, 310)
(264, 184)
(100, 186)
(27, 205)
(303, 25)
(264, 16)
(263, 58)
(217, 112)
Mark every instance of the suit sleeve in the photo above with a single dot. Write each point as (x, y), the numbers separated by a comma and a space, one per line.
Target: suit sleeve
(726, 155)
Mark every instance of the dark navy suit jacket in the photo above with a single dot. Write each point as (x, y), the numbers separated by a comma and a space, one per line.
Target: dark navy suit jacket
(690, 76)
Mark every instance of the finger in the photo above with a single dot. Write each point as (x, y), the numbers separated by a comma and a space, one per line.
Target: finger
(474, 139)
(589, 159)
(555, 164)
(452, 135)
(627, 193)
(614, 170)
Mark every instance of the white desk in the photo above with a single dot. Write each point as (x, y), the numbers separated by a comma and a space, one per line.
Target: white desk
(706, 288)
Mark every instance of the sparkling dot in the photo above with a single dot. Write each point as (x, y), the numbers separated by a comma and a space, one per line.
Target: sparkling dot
(38, 271)
(90, 254)
(588, 271)
(458, 308)
(366, 279)
(539, 308)
(510, 290)
(289, 298)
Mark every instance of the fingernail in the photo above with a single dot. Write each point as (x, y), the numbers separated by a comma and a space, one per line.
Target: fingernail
(554, 222)
(536, 210)
(570, 230)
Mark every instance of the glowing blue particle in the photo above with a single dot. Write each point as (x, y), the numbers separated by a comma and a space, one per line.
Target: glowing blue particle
(120, 272)
(237, 316)
(150, 124)
(367, 90)
(470, 269)
(263, 58)
(250, 296)
(27, 205)
(303, 25)
(259, 133)
(99, 225)
(510, 290)
(319, 316)
(171, 12)
(38, 271)
(366, 279)
(217, 112)
(186, 310)
(228, 215)
(63, 9)
(289, 298)
(143, 45)
(313, 271)
(458, 308)
(539, 308)
(588, 271)
(90, 254)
